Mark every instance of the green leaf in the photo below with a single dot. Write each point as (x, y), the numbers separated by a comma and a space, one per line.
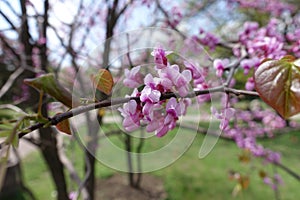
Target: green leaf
(10, 112)
(15, 141)
(6, 126)
(278, 84)
(49, 85)
(6, 129)
(5, 133)
(7, 114)
(103, 81)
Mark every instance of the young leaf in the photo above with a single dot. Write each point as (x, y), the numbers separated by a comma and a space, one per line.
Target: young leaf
(64, 126)
(278, 84)
(103, 81)
(15, 141)
(49, 85)
(8, 111)
(5, 133)
(6, 129)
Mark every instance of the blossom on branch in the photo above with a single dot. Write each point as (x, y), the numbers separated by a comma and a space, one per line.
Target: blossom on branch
(133, 77)
(131, 113)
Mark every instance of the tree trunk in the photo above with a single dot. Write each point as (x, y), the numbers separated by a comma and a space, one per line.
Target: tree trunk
(90, 160)
(90, 170)
(47, 136)
(50, 154)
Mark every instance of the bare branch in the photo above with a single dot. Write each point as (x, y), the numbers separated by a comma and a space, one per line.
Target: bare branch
(11, 8)
(9, 47)
(8, 21)
(10, 81)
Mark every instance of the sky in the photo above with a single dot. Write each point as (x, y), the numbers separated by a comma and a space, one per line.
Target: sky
(65, 10)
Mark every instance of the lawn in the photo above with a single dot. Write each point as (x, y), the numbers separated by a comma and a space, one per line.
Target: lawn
(190, 177)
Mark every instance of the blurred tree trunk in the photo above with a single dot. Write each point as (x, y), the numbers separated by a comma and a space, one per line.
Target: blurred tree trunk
(47, 136)
(48, 141)
(48, 146)
(111, 21)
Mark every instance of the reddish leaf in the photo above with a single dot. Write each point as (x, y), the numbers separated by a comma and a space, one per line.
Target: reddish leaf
(64, 126)
(103, 81)
(49, 85)
(245, 157)
(244, 181)
(262, 174)
(278, 84)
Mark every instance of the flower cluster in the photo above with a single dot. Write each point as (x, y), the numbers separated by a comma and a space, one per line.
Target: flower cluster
(177, 16)
(274, 7)
(274, 181)
(248, 126)
(208, 39)
(265, 42)
(156, 114)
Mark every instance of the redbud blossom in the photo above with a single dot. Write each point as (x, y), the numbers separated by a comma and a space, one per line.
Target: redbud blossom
(219, 65)
(160, 58)
(131, 114)
(133, 78)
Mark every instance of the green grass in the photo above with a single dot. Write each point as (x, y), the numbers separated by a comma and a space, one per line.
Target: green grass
(190, 177)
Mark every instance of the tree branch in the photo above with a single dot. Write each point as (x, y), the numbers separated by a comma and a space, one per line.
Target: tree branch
(117, 101)
(8, 21)
(10, 81)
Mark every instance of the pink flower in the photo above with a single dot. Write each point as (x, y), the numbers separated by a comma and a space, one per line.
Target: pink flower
(266, 47)
(208, 39)
(250, 85)
(160, 58)
(173, 110)
(150, 95)
(204, 97)
(250, 29)
(273, 157)
(225, 116)
(176, 16)
(154, 116)
(278, 179)
(132, 115)
(248, 64)
(219, 65)
(72, 195)
(42, 40)
(267, 181)
(196, 71)
(150, 110)
(184, 104)
(180, 80)
(133, 78)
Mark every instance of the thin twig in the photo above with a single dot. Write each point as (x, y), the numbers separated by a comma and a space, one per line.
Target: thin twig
(288, 170)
